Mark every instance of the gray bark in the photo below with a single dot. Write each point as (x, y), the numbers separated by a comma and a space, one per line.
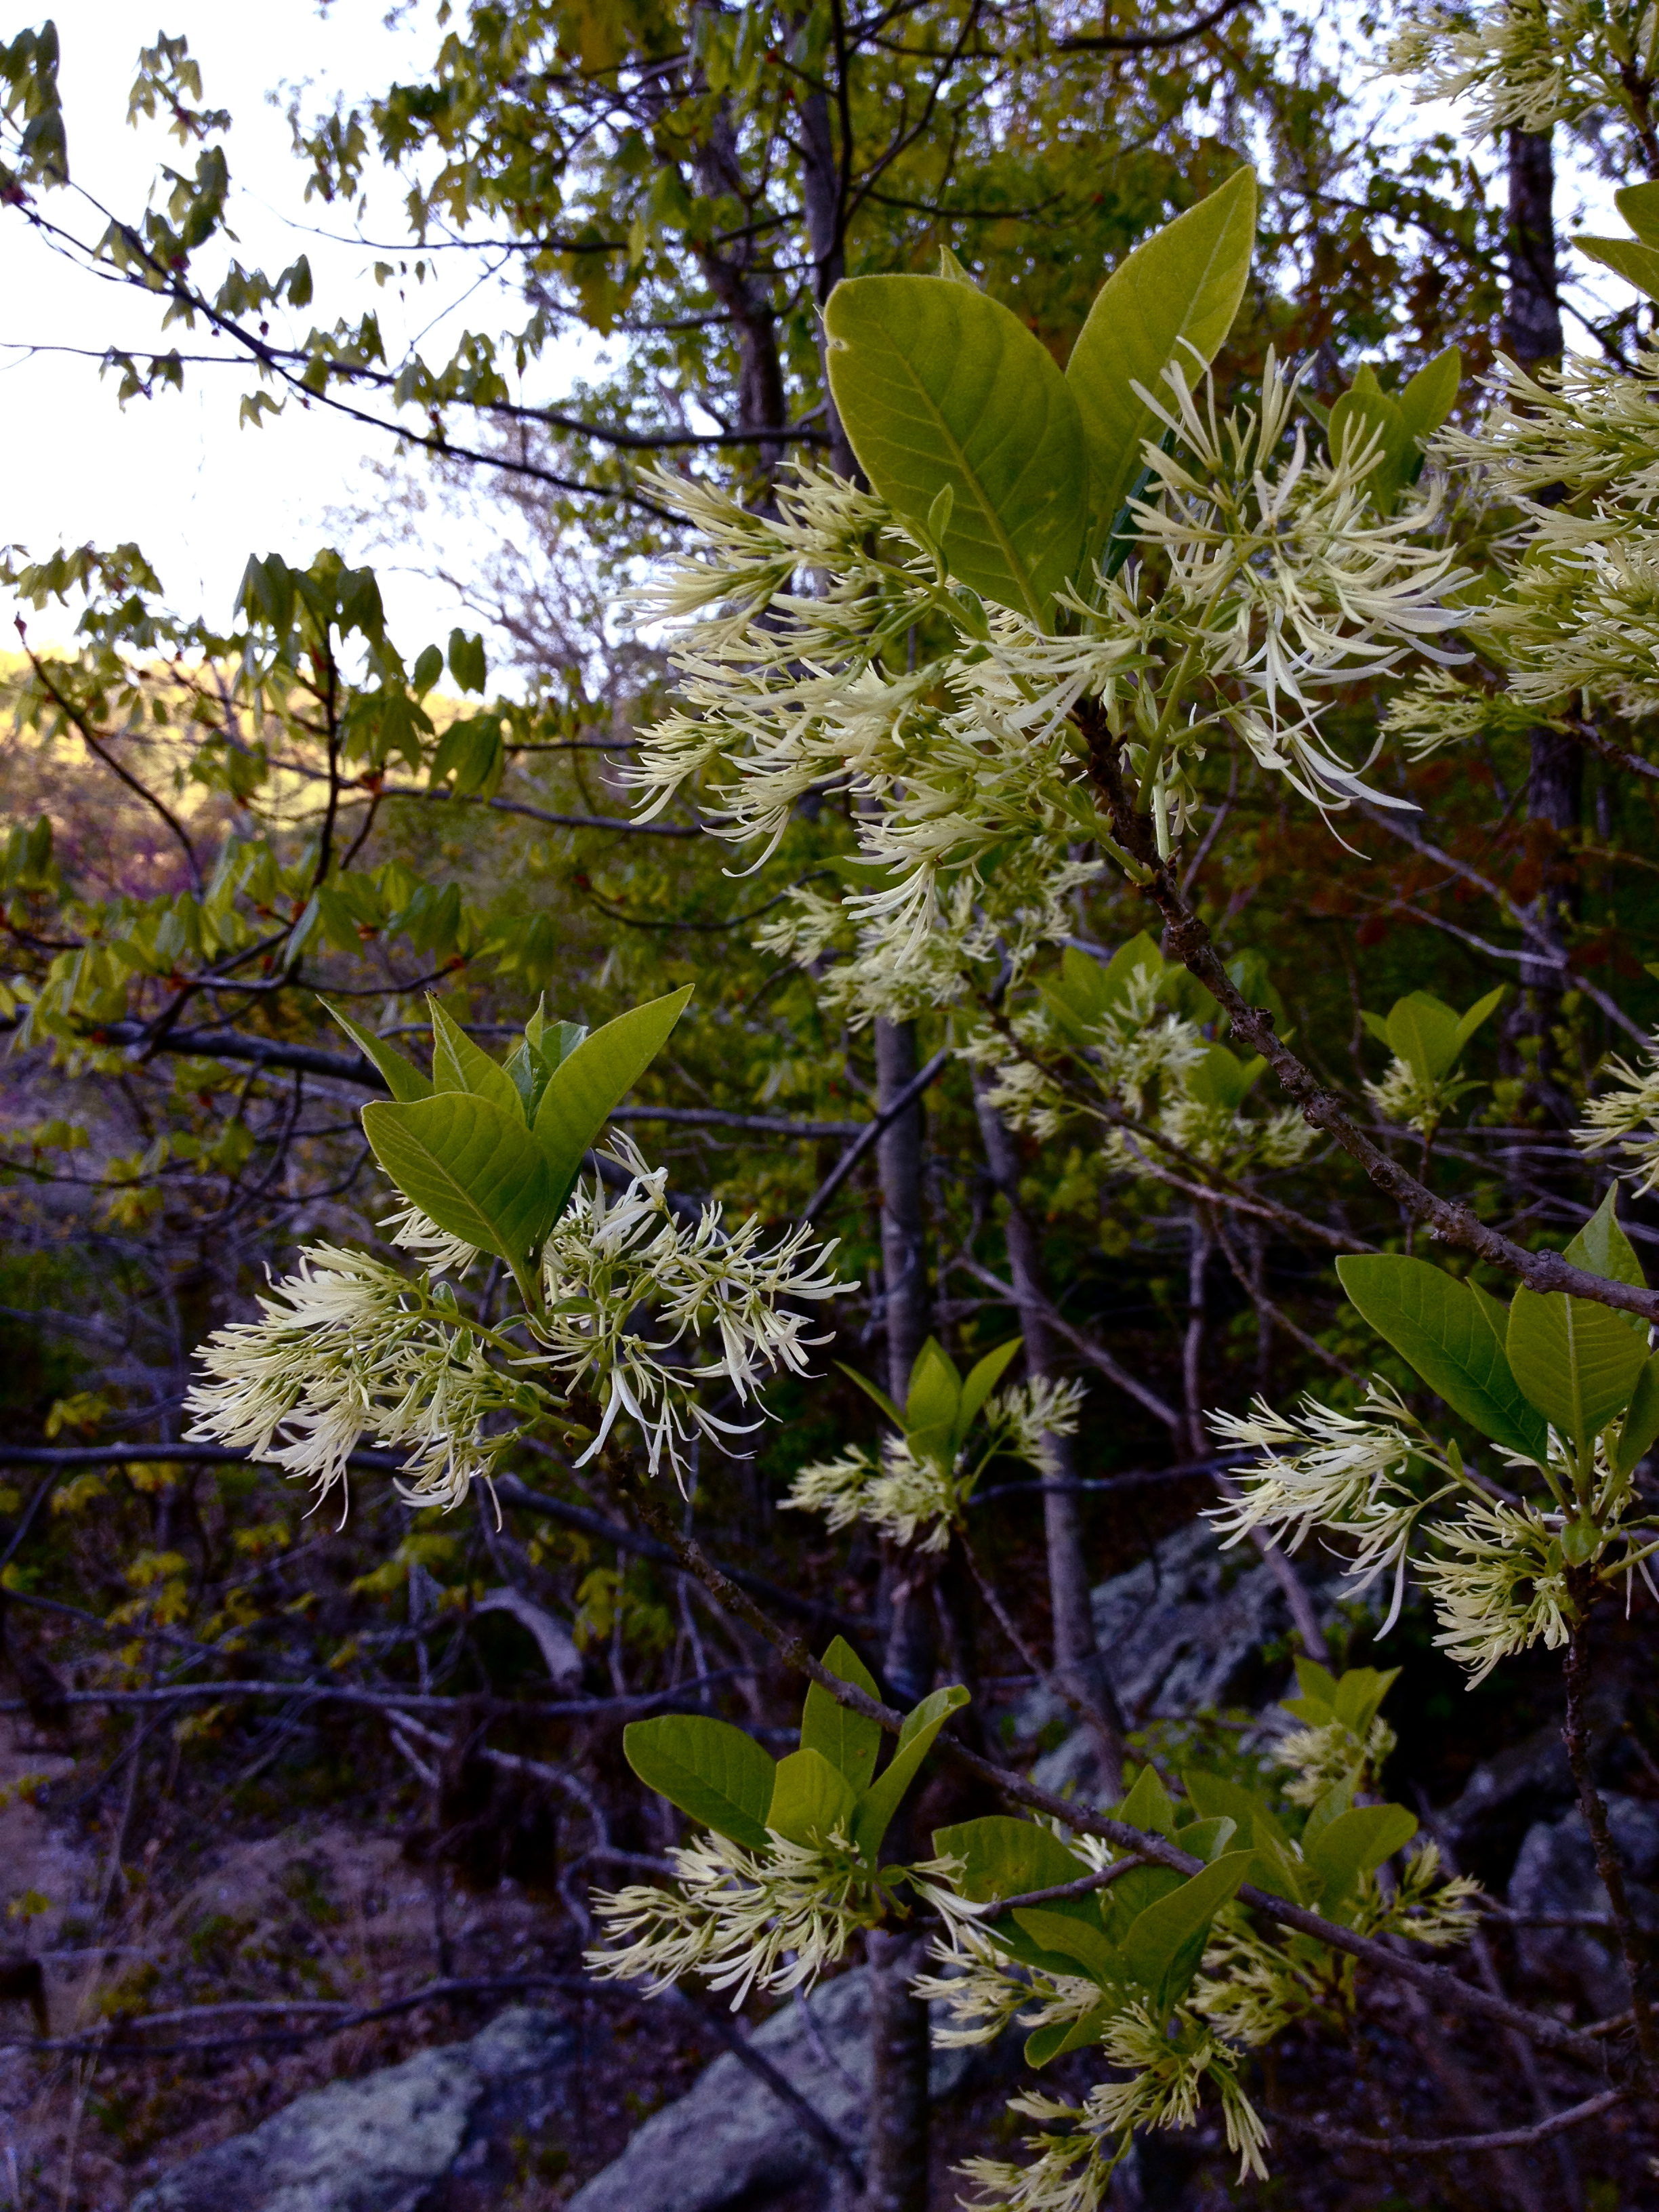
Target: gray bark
(896, 2162)
(1079, 1665)
(823, 197)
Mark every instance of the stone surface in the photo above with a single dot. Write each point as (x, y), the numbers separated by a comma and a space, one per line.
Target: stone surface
(1183, 1629)
(429, 2135)
(731, 2140)
(1555, 1872)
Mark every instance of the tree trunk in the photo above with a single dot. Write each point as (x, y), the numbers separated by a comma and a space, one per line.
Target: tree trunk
(896, 2159)
(896, 2166)
(823, 197)
(1077, 1662)
(1532, 337)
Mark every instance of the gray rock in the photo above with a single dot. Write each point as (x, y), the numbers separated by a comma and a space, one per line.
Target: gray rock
(1183, 1630)
(730, 2139)
(1555, 1872)
(429, 2135)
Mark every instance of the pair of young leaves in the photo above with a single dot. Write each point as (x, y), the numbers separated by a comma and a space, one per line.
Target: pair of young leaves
(1427, 1033)
(1085, 992)
(1018, 473)
(940, 1406)
(1552, 1358)
(1142, 1939)
(1401, 423)
(722, 1779)
(490, 1151)
(1635, 259)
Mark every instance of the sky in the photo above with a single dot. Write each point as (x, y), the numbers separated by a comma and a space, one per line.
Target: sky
(175, 473)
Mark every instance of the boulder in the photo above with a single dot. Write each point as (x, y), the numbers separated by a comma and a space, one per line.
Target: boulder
(1183, 1630)
(731, 2140)
(433, 2135)
(1555, 1874)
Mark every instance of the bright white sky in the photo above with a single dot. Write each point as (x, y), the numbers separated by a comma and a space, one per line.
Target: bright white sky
(175, 472)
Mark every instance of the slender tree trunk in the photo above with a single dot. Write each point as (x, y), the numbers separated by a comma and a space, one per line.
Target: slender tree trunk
(897, 2162)
(1532, 337)
(823, 197)
(1077, 1662)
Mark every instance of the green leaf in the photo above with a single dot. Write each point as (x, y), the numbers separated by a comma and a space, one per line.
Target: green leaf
(1636, 263)
(1602, 1248)
(599, 1074)
(1469, 1022)
(1072, 1939)
(1641, 1422)
(402, 1078)
(1424, 1031)
(1359, 1694)
(1255, 1819)
(1639, 205)
(1148, 1805)
(1578, 1363)
(1060, 2036)
(935, 1390)
(981, 1379)
(1004, 1856)
(710, 1769)
(1354, 1843)
(870, 1390)
(809, 1798)
(1317, 1703)
(1441, 1327)
(1429, 395)
(1173, 299)
(1164, 1944)
(881, 1800)
(938, 386)
(848, 1740)
(1364, 413)
(457, 1063)
(1221, 1079)
(470, 1168)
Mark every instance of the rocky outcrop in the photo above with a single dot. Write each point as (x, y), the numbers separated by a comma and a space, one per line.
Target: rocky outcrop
(434, 2134)
(1184, 1629)
(731, 2140)
(1555, 1877)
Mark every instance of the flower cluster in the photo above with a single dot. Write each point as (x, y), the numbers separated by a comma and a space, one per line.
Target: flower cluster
(1625, 1120)
(1343, 1472)
(1265, 579)
(1405, 1094)
(1167, 2076)
(348, 1346)
(629, 1283)
(738, 1920)
(1523, 64)
(902, 1491)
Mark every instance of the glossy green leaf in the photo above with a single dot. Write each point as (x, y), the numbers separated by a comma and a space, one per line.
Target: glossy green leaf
(981, 1380)
(1366, 416)
(1577, 1362)
(1426, 1033)
(1428, 398)
(1359, 1695)
(1602, 1248)
(1253, 1818)
(585, 1088)
(1468, 1023)
(1164, 1944)
(881, 1800)
(1639, 264)
(1641, 1422)
(935, 1390)
(872, 1390)
(470, 1168)
(847, 1740)
(1148, 1805)
(938, 386)
(1072, 1939)
(1639, 205)
(457, 1063)
(1173, 299)
(1004, 1856)
(1354, 1843)
(712, 1771)
(1059, 2036)
(1439, 1326)
(401, 1078)
(810, 1799)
